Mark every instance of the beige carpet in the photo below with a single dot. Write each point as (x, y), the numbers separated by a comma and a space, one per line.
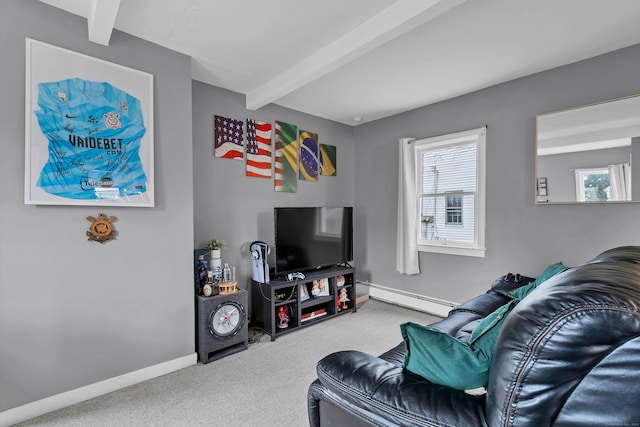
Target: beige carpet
(266, 385)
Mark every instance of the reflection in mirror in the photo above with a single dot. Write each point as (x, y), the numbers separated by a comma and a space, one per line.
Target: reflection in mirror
(583, 154)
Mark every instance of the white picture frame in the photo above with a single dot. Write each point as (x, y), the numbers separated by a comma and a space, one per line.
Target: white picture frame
(49, 65)
(323, 285)
(304, 293)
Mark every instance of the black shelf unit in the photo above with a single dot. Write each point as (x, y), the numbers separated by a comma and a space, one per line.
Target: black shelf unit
(267, 299)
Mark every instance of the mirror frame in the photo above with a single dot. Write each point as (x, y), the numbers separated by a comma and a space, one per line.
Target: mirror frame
(541, 191)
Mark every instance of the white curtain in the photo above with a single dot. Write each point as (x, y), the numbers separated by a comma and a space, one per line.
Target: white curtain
(407, 260)
(620, 181)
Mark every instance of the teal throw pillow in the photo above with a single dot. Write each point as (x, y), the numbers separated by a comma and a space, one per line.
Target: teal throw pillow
(549, 272)
(443, 359)
(493, 322)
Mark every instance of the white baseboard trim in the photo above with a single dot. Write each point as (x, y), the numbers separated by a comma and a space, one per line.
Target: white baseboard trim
(68, 398)
(411, 300)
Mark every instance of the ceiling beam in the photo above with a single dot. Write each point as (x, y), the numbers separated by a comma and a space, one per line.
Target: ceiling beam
(101, 20)
(399, 18)
(101, 16)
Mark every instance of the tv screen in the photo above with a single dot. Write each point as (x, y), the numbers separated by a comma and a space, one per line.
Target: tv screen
(312, 237)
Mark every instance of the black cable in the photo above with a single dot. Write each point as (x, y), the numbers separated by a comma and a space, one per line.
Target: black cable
(289, 298)
(255, 337)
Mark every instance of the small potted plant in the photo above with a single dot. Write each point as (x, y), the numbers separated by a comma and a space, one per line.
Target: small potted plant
(215, 246)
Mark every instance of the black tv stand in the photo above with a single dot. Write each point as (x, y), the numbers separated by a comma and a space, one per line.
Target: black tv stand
(296, 297)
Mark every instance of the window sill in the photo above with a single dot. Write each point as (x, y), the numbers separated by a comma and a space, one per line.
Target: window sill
(453, 250)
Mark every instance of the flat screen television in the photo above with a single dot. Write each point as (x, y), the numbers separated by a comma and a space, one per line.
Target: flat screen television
(308, 238)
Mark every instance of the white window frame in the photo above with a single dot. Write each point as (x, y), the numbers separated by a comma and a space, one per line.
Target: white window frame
(581, 174)
(477, 248)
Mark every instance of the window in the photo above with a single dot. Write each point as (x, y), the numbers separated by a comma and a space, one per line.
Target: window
(592, 185)
(454, 209)
(450, 173)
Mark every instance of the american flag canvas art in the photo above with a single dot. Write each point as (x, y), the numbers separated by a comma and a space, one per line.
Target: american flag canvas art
(258, 149)
(229, 137)
(286, 158)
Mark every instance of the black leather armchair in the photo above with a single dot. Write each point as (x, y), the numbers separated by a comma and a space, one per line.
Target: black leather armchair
(567, 355)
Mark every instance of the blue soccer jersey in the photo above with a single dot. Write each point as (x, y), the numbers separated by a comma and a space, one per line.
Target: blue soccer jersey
(94, 131)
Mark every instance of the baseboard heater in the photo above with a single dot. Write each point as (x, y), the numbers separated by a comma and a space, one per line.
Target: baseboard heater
(411, 300)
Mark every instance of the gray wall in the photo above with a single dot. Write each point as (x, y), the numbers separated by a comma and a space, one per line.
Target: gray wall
(238, 209)
(520, 236)
(74, 312)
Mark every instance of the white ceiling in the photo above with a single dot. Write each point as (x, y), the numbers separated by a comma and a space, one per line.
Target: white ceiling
(341, 59)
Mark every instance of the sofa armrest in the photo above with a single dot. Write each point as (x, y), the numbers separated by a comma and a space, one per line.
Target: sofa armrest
(384, 391)
(483, 304)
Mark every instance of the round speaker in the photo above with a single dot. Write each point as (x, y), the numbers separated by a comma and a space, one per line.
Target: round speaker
(226, 319)
(221, 325)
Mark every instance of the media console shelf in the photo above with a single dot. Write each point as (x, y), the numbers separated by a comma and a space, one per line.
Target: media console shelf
(302, 302)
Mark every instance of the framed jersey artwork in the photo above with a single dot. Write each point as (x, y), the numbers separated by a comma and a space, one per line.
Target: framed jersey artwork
(89, 130)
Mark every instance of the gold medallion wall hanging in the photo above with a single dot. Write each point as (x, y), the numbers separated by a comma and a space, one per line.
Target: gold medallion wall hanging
(101, 229)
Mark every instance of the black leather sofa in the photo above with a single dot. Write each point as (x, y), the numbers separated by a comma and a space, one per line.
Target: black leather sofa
(567, 355)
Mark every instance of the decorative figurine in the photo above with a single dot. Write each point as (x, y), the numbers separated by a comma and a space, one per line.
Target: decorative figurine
(207, 290)
(101, 229)
(315, 290)
(283, 318)
(343, 298)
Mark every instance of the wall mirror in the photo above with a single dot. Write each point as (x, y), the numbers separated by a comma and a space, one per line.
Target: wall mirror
(584, 154)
